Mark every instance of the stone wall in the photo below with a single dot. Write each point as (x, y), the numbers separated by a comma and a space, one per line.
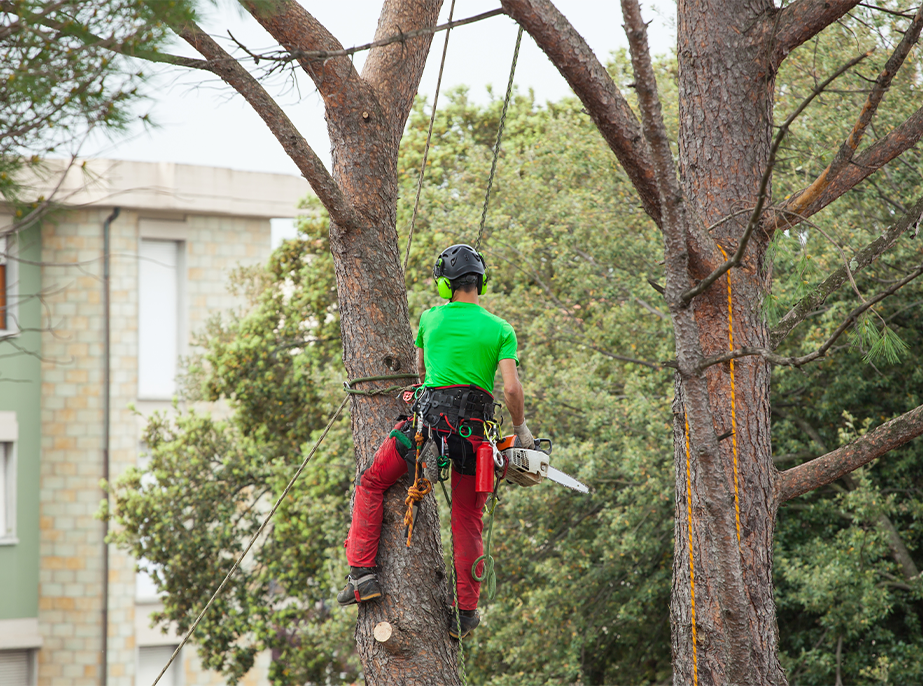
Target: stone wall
(70, 577)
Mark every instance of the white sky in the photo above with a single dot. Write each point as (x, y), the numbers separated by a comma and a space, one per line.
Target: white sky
(199, 120)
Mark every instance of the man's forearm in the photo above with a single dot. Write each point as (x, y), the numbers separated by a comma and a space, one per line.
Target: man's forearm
(515, 403)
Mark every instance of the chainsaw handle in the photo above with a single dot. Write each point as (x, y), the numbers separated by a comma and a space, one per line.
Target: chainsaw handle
(539, 442)
(513, 442)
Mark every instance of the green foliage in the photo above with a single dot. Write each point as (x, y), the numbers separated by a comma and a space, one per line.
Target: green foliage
(62, 75)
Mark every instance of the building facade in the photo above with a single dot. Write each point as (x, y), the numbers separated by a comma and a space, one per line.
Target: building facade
(172, 234)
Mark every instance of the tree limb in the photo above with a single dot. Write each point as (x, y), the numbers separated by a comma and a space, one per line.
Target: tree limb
(297, 30)
(897, 142)
(845, 154)
(297, 148)
(832, 283)
(389, 66)
(828, 468)
(820, 352)
(590, 81)
(801, 21)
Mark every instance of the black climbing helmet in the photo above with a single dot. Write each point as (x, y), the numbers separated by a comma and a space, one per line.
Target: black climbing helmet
(454, 264)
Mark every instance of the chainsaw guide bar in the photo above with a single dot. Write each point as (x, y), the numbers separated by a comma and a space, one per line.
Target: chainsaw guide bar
(529, 467)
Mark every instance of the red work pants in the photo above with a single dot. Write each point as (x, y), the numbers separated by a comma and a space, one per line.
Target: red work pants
(467, 507)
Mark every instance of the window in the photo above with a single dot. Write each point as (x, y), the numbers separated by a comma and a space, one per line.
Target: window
(16, 667)
(158, 318)
(151, 660)
(7, 492)
(8, 284)
(9, 433)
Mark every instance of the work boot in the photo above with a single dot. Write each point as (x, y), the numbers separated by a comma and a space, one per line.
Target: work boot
(361, 587)
(468, 619)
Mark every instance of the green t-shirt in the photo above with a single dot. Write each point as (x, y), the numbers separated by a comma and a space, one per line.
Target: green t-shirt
(463, 344)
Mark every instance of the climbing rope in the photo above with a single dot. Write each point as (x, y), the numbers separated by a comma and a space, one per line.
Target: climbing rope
(493, 164)
(259, 531)
(733, 400)
(489, 575)
(461, 650)
(429, 136)
(695, 654)
(415, 494)
(348, 385)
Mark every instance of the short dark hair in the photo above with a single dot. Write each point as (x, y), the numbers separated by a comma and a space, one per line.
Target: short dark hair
(467, 283)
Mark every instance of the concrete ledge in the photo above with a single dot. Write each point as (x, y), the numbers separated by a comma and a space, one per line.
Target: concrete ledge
(9, 427)
(167, 186)
(19, 634)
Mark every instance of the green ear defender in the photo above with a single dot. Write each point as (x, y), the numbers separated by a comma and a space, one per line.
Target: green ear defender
(445, 288)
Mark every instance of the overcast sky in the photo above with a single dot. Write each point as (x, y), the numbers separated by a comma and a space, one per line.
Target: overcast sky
(201, 121)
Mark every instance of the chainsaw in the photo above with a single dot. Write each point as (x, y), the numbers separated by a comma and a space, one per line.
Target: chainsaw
(529, 467)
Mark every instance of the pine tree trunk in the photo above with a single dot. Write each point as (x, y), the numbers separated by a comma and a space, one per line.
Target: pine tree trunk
(726, 97)
(377, 340)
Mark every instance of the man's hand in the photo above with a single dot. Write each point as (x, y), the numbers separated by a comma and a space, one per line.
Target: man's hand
(524, 435)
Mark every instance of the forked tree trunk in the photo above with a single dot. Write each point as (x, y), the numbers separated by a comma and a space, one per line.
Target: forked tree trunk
(377, 340)
(726, 96)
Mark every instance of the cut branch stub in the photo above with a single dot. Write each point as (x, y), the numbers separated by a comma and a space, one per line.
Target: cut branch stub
(391, 638)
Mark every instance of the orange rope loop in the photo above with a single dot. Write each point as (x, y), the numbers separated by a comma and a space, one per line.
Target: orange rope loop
(420, 488)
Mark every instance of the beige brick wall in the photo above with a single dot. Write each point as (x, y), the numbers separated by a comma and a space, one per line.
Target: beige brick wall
(70, 584)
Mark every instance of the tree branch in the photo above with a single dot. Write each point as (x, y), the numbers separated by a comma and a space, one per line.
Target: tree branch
(80, 32)
(801, 21)
(845, 154)
(297, 148)
(832, 283)
(298, 31)
(820, 352)
(390, 68)
(897, 142)
(834, 465)
(590, 81)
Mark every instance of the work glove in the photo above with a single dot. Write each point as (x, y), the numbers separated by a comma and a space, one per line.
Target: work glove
(524, 435)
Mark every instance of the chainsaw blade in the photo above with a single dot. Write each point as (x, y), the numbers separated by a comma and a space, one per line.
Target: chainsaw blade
(565, 480)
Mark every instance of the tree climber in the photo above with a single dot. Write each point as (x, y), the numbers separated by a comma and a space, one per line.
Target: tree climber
(459, 348)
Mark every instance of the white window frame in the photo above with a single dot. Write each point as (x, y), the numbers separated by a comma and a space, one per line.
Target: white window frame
(176, 669)
(8, 246)
(181, 317)
(9, 434)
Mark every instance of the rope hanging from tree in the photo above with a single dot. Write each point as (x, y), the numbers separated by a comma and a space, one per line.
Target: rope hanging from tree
(493, 164)
(429, 136)
(496, 151)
